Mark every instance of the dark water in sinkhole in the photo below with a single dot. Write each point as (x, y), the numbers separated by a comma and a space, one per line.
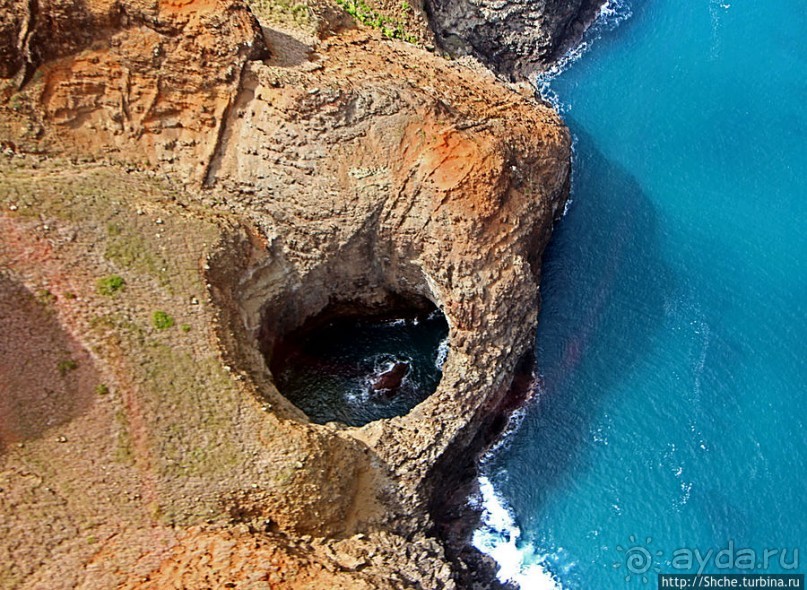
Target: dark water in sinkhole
(332, 372)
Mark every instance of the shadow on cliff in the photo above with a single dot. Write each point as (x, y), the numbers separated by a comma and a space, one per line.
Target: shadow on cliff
(603, 288)
(285, 50)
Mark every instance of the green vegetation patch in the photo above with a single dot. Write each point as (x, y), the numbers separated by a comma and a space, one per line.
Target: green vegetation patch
(45, 297)
(161, 320)
(66, 366)
(391, 28)
(116, 215)
(283, 12)
(110, 285)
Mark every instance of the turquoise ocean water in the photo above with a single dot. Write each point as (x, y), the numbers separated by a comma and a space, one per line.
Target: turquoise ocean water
(672, 410)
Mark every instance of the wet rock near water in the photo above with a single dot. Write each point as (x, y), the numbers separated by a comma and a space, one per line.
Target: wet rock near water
(389, 381)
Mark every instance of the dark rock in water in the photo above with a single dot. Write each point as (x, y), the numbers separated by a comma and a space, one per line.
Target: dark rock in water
(391, 379)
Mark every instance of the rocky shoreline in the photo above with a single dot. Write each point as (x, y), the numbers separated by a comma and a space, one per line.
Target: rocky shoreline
(243, 175)
(515, 39)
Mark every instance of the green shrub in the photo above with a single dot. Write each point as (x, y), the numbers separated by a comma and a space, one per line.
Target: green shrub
(161, 320)
(389, 27)
(46, 297)
(110, 285)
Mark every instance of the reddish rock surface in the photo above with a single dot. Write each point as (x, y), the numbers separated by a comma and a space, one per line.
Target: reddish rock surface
(390, 380)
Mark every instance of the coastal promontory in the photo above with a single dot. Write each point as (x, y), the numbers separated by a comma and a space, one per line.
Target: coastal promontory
(184, 184)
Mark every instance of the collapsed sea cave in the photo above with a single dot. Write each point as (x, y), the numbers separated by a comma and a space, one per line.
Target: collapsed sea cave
(355, 364)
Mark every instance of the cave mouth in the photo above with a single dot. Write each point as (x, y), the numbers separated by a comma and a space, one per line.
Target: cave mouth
(355, 365)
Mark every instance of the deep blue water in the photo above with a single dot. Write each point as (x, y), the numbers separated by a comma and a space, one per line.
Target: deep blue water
(672, 336)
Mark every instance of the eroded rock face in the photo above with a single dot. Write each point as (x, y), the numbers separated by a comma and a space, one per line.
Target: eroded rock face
(139, 81)
(515, 38)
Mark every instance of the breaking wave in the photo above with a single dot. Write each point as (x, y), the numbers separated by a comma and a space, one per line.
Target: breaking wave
(499, 536)
(611, 14)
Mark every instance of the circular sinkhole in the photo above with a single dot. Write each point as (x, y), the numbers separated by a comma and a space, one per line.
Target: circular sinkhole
(356, 368)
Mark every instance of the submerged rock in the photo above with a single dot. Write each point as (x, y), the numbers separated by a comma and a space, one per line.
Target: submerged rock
(389, 381)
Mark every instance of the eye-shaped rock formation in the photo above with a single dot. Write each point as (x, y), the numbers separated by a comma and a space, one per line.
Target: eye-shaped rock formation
(421, 179)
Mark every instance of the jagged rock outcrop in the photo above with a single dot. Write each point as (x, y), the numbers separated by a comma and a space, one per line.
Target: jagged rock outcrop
(516, 38)
(144, 80)
(347, 169)
(389, 380)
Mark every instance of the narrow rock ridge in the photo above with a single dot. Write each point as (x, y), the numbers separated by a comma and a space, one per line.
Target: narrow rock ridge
(348, 168)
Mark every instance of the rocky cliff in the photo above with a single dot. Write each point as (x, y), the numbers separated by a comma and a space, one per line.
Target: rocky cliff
(182, 186)
(516, 38)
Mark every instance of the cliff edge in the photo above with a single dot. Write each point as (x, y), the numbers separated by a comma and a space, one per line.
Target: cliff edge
(183, 185)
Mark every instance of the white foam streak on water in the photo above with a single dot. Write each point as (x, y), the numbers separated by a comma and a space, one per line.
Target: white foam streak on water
(716, 10)
(499, 538)
(442, 353)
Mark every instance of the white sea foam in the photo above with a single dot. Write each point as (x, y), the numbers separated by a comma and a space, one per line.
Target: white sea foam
(614, 12)
(610, 15)
(442, 354)
(567, 206)
(499, 537)
(359, 394)
(383, 363)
